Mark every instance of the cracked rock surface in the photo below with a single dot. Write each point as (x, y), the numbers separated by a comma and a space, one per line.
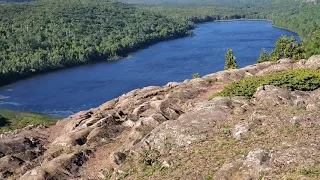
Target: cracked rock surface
(174, 132)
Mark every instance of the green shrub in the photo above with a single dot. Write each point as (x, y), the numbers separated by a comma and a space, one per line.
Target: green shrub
(10, 120)
(195, 76)
(311, 171)
(302, 79)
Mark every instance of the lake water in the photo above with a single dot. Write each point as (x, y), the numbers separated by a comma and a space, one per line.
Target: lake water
(65, 92)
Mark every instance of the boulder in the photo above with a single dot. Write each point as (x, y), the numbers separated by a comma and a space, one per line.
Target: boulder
(240, 130)
(272, 95)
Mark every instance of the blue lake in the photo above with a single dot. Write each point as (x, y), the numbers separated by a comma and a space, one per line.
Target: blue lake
(65, 92)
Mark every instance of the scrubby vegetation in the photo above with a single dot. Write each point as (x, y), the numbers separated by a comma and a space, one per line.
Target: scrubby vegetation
(10, 120)
(195, 75)
(302, 79)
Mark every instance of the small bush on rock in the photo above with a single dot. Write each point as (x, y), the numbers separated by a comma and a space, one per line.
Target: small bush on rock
(195, 76)
(302, 79)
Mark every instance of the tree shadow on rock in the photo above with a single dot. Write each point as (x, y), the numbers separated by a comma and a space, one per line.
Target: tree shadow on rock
(3, 121)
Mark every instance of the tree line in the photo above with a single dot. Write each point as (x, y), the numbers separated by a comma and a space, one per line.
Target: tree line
(46, 35)
(52, 34)
(297, 16)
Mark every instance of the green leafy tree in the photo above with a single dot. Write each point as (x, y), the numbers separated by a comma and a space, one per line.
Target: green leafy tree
(263, 56)
(230, 61)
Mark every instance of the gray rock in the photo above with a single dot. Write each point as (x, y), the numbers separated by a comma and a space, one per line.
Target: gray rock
(313, 62)
(190, 127)
(128, 124)
(299, 103)
(312, 107)
(149, 122)
(285, 60)
(272, 95)
(240, 130)
(167, 117)
(35, 174)
(296, 120)
(256, 158)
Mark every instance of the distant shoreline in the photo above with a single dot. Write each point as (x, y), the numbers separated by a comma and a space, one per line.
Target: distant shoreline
(231, 20)
(268, 20)
(10, 80)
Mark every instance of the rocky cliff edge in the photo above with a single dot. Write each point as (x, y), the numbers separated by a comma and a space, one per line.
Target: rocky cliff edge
(175, 132)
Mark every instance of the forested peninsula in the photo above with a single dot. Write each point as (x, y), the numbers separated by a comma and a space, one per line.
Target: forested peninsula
(47, 35)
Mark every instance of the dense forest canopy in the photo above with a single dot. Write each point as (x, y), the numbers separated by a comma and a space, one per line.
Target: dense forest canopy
(216, 2)
(304, 19)
(300, 18)
(47, 35)
(14, 1)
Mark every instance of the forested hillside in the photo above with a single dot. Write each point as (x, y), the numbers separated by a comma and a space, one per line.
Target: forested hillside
(215, 2)
(53, 34)
(14, 1)
(199, 13)
(47, 35)
(304, 19)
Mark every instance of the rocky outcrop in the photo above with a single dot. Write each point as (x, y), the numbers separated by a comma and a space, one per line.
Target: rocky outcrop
(164, 120)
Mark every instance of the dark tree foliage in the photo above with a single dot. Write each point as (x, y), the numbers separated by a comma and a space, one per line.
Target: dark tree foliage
(47, 35)
(263, 56)
(14, 1)
(215, 2)
(303, 19)
(288, 48)
(313, 45)
(3, 121)
(230, 61)
(296, 16)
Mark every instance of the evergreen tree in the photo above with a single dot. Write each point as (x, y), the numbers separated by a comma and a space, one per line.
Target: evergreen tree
(47, 35)
(313, 45)
(263, 56)
(230, 61)
(299, 52)
(288, 48)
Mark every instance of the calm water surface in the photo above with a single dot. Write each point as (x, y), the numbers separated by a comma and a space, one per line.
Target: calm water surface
(65, 92)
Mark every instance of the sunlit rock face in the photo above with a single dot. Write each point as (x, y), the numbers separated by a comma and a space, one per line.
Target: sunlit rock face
(275, 131)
